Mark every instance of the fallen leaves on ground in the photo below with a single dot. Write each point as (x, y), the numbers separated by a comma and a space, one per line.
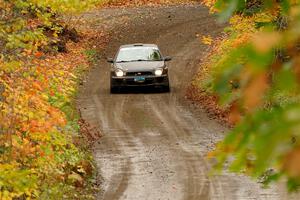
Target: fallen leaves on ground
(136, 3)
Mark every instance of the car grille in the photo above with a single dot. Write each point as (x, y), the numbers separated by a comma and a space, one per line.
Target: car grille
(139, 73)
(132, 82)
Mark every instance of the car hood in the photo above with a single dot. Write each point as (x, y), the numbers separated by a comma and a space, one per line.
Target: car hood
(140, 66)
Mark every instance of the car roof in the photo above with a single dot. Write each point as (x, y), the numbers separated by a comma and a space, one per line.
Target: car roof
(138, 45)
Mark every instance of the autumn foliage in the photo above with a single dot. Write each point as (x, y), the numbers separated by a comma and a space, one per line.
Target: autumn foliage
(122, 3)
(253, 70)
(42, 60)
(38, 121)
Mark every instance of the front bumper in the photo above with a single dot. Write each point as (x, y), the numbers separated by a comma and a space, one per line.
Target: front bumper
(152, 80)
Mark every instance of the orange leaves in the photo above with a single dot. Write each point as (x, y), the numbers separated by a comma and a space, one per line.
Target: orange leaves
(35, 143)
(39, 126)
(35, 90)
(31, 117)
(241, 40)
(210, 4)
(292, 163)
(264, 42)
(23, 148)
(36, 86)
(234, 115)
(254, 91)
(57, 116)
(38, 54)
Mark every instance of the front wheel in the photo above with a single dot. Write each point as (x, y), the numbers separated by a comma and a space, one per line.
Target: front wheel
(113, 89)
(166, 88)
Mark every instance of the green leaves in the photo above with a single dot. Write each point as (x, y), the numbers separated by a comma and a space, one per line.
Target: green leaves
(228, 7)
(261, 139)
(31, 25)
(37, 118)
(256, 74)
(285, 79)
(66, 6)
(15, 181)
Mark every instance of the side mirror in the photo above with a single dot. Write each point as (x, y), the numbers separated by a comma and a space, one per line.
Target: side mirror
(110, 60)
(167, 58)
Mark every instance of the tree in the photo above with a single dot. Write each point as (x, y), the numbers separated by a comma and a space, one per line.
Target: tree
(259, 78)
(37, 156)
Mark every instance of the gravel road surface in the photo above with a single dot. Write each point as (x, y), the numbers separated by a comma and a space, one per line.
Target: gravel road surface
(155, 144)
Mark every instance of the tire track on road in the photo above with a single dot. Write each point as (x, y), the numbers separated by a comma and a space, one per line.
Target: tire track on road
(154, 145)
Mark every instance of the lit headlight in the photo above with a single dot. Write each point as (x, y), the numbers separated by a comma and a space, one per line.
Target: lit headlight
(158, 72)
(119, 73)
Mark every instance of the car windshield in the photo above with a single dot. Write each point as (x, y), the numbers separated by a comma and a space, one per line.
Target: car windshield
(138, 54)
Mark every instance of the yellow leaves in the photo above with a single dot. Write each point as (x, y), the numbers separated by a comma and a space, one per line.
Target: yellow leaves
(245, 29)
(129, 3)
(16, 181)
(295, 11)
(28, 112)
(263, 17)
(11, 66)
(68, 7)
(244, 24)
(73, 76)
(45, 96)
(207, 40)
(35, 142)
(38, 136)
(241, 40)
(210, 4)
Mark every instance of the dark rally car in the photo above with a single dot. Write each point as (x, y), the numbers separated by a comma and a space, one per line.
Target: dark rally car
(139, 65)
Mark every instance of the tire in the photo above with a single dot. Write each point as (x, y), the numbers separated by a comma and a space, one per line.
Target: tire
(113, 89)
(166, 88)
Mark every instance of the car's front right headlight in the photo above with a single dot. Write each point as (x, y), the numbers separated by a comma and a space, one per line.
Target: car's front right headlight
(119, 73)
(158, 72)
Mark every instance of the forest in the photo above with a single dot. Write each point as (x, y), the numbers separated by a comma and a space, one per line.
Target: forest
(250, 80)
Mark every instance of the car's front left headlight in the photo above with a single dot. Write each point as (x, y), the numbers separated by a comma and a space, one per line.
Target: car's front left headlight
(158, 72)
(119, 73)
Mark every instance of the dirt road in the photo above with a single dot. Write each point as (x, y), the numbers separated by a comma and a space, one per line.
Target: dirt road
(155, 144)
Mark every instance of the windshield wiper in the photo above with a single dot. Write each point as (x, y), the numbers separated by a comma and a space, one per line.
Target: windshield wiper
(143, 60)
(122, 61)
(139, 60)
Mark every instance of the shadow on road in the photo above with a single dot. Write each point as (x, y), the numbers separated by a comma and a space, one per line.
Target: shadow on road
(140, 90)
